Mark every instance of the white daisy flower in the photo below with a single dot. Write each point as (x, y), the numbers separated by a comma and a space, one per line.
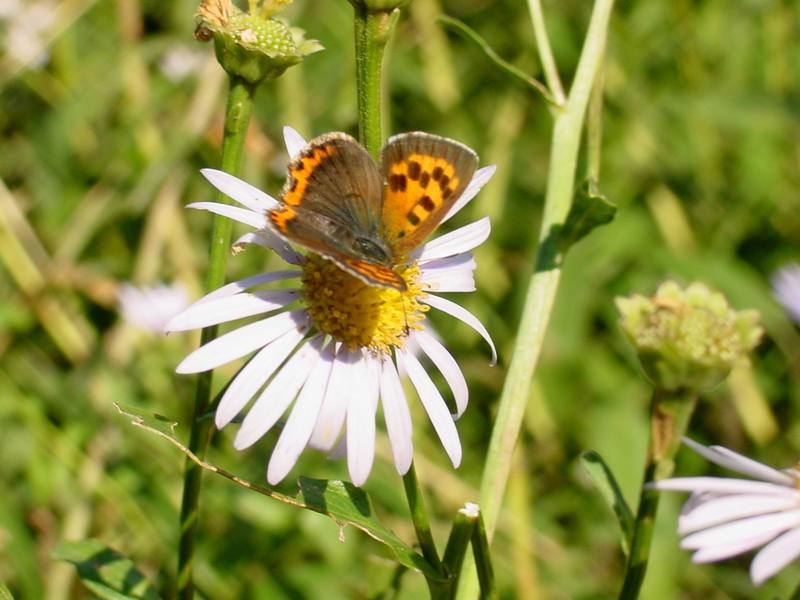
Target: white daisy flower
(151, 307)
(786, 287)
(725, 517)
(333, 345)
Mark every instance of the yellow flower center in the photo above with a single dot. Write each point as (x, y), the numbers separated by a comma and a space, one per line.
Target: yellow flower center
(360, 315)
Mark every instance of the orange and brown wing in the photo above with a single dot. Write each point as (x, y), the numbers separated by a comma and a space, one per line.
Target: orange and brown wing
(424, 175)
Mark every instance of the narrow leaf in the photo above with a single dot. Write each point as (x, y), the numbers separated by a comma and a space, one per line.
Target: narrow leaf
(5, 593)
(506, 67)
(350, 505)
(590, 209)
(607, 485)
(104, 571)
(341, 501)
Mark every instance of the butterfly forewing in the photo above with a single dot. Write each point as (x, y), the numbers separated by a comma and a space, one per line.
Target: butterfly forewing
(424, 175)
(331, 205)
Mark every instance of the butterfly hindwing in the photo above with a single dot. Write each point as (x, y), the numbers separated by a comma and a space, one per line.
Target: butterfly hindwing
(424, 175)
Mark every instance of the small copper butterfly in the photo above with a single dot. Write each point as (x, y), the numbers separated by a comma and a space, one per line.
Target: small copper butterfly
(367, 219)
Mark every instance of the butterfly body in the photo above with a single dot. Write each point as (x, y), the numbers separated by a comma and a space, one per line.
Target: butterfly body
(339, 204)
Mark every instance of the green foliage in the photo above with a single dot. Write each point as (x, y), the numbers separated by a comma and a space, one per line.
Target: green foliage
(100, 148)
(104, 571)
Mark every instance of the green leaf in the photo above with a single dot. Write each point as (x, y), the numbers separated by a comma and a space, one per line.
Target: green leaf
(5, 593)
(606, 484)
(590, 209)
(157, 423)
(506, 67)
(341, 501)
(349, 505)
(104, 571)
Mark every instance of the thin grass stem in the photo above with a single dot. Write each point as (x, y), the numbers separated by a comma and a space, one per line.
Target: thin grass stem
(237, 116)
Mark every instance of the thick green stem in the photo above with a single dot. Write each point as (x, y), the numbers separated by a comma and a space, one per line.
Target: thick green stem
(372, 31)
(547, 271)
(419, 517)
(237, 116)
(543, 283)
(669, 418)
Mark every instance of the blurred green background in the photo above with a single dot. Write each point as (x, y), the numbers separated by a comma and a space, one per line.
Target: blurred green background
(108, 108)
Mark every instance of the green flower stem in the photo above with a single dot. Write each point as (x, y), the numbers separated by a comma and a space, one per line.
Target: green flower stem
(419, 517)
(543, 283)
(669, 418)
(483, 560)
(458, 542)
(372, 31)
(237, 116)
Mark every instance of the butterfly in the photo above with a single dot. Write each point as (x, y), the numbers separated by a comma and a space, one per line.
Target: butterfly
(338, 203)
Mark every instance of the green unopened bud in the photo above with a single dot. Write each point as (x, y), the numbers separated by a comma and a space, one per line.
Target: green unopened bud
(380, 5)
(252, 45)
(688, 338)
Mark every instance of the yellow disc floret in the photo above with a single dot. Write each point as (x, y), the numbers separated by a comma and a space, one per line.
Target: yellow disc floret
(360, 315)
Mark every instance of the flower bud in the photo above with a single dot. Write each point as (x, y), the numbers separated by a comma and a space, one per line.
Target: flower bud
(252, 45)
(688, 338)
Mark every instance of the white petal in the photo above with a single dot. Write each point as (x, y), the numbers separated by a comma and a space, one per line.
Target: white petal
(786, 287)
(241, 191)
(243, 215)
(334, 407)
(744, 528)
(278, 394)
(434, 405)
(300, 424)
(479, 179)
(774, 556)
(294, 141)
(253, 375)
(397, 417)
(361, 422)
(720, 485)
(267, 239)
(448, 367)
(736, 462)
(714, 553)
(730, 508)
(465, 261)
(448, 280)
(461, 240)
(462, 314)
(243, 284)
(222, 310)
(241, 341)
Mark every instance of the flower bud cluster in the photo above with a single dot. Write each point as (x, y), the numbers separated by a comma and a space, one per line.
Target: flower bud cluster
(688, 338)
(253, 45)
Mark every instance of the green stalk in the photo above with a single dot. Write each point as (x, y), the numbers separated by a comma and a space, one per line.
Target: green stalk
(545, 53)
(237, 116)
(372, 31)
(669, 418)
(419, 517)
(543, 283)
